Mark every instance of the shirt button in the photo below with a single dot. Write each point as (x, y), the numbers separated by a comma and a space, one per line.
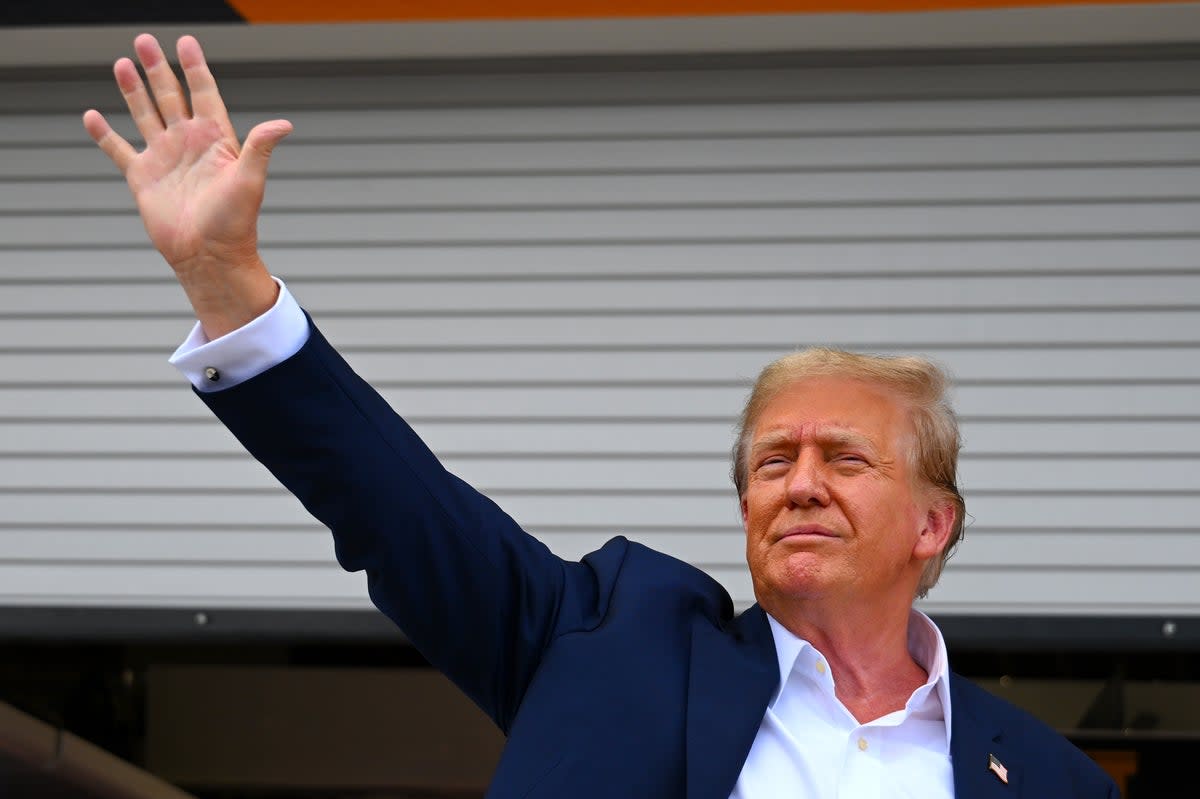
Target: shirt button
(862, 744)
(212, 374)
(820, 667)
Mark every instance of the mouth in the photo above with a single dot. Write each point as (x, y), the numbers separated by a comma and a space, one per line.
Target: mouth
(802, 532)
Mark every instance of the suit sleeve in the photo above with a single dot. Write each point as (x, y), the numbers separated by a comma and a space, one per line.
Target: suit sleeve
(478, 597)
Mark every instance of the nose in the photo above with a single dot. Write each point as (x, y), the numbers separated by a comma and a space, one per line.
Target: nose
(806, 484)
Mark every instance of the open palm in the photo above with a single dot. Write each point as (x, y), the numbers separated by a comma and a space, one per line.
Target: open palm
(192, 196)
(198, 189)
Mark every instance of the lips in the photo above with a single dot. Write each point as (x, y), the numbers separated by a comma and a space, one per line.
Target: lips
(807, 531)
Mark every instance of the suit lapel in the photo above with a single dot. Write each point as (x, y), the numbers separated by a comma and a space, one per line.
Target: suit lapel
(734, 671)
(972, 740)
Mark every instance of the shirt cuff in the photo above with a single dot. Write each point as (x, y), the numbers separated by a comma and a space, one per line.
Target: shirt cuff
(246, 352)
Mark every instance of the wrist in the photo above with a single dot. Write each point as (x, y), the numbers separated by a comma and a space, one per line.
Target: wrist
(227, 294)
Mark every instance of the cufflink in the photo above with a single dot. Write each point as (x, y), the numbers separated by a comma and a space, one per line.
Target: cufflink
(212, 374)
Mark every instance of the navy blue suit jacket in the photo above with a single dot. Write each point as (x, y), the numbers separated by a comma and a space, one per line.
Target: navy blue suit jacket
(625, 675)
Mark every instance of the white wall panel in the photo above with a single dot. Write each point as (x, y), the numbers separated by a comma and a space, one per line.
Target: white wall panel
(567, 280)
(320, 585)
(663, 367)
(653, 297)
(883, 330)
(311, 545)
(570, 472)
(639, 224)
(1083, 256)
(104, 438)
(583, 121)
(819, 188)
(502, 157)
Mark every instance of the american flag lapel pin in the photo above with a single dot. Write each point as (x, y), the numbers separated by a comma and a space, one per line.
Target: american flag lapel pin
(997, 768)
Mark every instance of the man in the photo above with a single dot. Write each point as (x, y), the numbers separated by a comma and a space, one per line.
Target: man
(626, 674)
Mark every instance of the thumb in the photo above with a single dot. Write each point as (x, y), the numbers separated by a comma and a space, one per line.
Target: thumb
(260, 142)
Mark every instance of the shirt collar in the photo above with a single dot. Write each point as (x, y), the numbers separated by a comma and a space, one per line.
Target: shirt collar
(925, 644)
(928, 648)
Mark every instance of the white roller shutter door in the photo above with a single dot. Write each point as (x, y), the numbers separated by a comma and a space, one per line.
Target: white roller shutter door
(566, 279)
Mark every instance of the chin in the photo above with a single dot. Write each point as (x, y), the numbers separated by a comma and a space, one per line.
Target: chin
(791, 580)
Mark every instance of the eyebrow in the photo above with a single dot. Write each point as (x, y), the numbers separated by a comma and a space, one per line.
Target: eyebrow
(825, 435)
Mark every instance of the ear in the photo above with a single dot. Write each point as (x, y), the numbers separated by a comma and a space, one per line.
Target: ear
(745, 510)
(934, 536)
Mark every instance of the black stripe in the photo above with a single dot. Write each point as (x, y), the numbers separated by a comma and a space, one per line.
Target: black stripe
(200, 623)
(81, 12)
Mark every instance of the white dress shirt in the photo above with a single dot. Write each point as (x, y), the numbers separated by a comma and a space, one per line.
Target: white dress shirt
(808, 745)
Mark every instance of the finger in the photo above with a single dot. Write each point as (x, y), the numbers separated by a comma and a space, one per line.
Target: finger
(260, 143)
(120, 151)
(206, 99)
(141, 107)
(168, 94)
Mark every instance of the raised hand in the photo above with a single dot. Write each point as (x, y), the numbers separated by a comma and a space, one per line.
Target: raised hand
(197, 188)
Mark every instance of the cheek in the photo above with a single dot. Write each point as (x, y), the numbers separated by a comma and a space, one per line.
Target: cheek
(754, 524)
(872, 497)
(757, 528)
(754, 509)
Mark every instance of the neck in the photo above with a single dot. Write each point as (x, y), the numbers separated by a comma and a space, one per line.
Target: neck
(867, 652)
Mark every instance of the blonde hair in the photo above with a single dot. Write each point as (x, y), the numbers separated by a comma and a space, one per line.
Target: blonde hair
(936, 441)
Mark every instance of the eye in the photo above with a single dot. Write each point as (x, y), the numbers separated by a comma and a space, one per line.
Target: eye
(773, 461)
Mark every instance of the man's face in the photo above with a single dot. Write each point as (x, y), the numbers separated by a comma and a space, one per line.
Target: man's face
(831, 507)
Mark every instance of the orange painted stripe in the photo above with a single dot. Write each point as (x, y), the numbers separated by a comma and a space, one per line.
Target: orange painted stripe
(284, 11)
